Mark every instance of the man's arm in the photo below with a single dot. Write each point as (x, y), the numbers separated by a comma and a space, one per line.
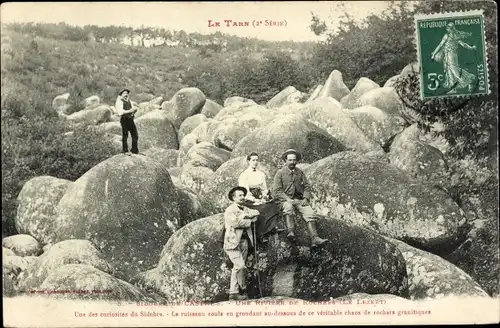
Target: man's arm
(237, 219)
(278, 190)
(119, 107)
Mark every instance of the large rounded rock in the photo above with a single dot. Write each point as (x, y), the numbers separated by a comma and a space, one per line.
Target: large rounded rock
(432, 277)
(65, 252)
(226, 177)
(281, 98)
(175, 172)
(228, 134)
(111, 127)
(211, 108)
(238, 110)
(289, 132)
(60, 103)
(355, 260)
(185, 145)
(384, 98)
(410, 69)
(91, 101)
(185, 102)
(419, 159)
(195, 178)
(86, 282)
(295, 97)
(327, 113)
(285, 110)
(7, 252)
(167, 157)
(391, 81)
(232, 100)
(190, 124)
(206, 130)
(363, 86)
(130, 196)
(157, 130)
(192, 266)
(415, 213)
(334, 87)
(156, 101)
(203, 132)
(314, 93)
(14, 266)
(376, 124)
(189, 206)
(144, 108)
(92, 116)
(36, 206)
(207, 155)
(116, 140)
(22, 245)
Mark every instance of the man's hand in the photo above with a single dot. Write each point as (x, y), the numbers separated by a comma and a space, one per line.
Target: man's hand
(255, 218)
(253, 213)
(304, 202)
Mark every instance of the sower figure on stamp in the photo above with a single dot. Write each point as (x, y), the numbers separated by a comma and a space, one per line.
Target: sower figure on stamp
(238, 233)
(126, 111)
(292, 192)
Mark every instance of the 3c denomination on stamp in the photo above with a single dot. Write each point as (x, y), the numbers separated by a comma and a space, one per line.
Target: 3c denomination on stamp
(452, 54)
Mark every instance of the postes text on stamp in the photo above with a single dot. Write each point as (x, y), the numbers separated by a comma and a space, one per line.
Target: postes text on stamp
(452, 54)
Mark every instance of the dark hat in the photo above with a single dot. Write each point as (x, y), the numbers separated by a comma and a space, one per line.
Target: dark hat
(291, 151)
(230, 194)
(123, 90)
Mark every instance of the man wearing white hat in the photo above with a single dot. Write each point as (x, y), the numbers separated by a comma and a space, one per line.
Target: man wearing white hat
(126, 111)
(238, 233)
(292, 192)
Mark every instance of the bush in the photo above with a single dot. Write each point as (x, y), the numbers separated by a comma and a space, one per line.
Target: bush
(475, 188)
(34, 144)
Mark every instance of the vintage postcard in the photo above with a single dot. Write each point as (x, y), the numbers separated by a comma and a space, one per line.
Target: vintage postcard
(249, 163)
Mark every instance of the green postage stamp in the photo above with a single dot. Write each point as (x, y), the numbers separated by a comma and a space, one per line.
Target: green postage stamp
(452, 54)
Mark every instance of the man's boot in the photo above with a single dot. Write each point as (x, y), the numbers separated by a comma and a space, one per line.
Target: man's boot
(237, 297)
(315, 239)
(242, 281)
(290, 226)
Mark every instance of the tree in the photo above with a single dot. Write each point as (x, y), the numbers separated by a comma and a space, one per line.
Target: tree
(318, 27)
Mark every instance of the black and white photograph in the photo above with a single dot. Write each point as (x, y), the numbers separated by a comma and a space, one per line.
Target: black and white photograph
(245, 163)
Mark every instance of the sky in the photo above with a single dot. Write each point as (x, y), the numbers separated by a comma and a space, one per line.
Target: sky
(195, 16)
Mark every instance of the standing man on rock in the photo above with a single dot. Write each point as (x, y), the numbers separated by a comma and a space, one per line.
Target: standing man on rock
(126, 111)
(292, 192)
(238, 223)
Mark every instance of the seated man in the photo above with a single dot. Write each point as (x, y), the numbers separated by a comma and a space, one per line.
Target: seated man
(292, 192)
(237, 222)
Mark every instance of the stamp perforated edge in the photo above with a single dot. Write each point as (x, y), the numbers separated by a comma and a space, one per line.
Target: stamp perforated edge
(447, 14)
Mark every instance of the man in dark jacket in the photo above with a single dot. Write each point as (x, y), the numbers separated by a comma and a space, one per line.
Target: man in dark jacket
(126, 111)
(292, 192)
